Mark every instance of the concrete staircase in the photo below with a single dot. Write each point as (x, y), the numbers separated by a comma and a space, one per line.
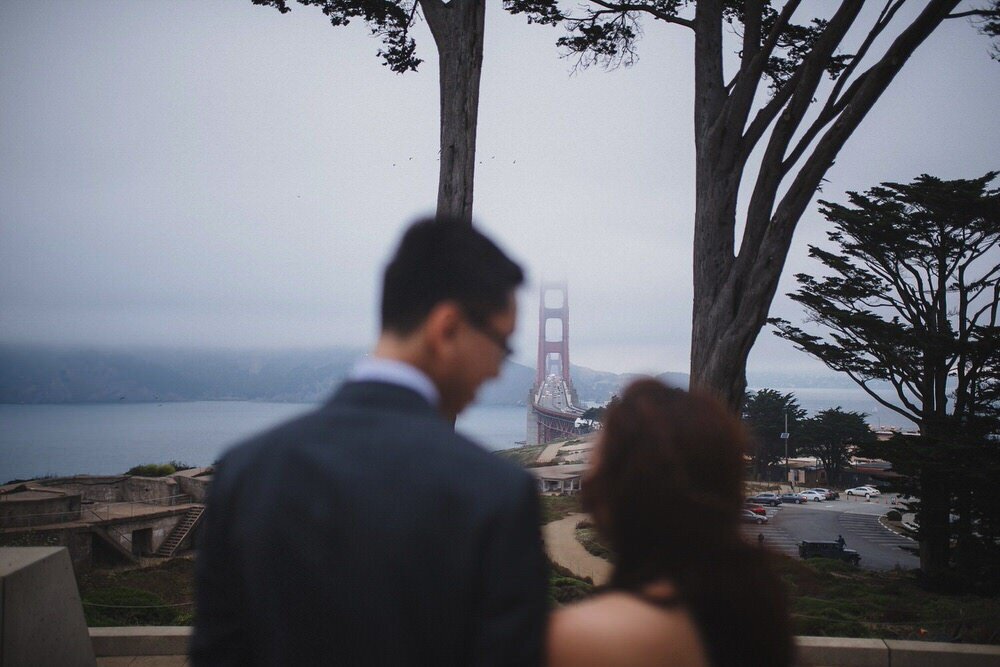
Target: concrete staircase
(180, 532)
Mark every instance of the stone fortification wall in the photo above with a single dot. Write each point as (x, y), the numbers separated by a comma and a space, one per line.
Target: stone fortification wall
(97, 489)
(154, 490)
(36, 508)
(196, 487)
(78, 540)
(122, 531)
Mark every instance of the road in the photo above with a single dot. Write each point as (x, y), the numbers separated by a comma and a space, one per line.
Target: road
(856, 520)
(553, 396)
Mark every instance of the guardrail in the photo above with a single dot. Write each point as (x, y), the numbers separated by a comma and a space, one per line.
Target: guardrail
(89, 507)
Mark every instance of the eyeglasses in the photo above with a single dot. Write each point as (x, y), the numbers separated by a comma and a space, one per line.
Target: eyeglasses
(495, 338)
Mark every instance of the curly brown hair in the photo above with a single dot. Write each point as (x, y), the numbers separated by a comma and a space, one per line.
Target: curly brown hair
(666, 492)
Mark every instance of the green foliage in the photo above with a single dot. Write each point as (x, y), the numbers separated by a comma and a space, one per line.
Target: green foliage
(125, 606)
(566, 587)
(167, 587)
(388, 19)
(764, 413)
(831, 436)
(521, 455)
(894, 515)
(157, 469)
(591, 540)
(597, 413)
(600, 35)
(558, 507)
(830, 598)
(912, 298)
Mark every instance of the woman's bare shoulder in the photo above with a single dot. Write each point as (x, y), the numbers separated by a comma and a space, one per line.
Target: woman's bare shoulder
(621, 629)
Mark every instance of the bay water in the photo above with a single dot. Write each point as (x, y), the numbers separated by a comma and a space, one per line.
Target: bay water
(106, 439)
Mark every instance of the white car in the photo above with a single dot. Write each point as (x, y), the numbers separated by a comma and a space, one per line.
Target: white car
(866, 491)
(813, 495)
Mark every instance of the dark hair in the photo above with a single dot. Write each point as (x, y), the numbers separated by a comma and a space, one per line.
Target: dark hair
(666, 492)
(438, 260)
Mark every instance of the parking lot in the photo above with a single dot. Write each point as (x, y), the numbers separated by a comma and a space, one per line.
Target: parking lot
(855, 519)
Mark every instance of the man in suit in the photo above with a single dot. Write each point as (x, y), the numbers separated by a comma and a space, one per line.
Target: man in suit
(368, 532)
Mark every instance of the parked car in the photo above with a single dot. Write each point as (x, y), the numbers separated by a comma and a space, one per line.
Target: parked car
(755, 508)
(828, 550)
(795, 498)
(866, 491)
(813, 495)
(750, 517)
(766, 498)
(829, 493)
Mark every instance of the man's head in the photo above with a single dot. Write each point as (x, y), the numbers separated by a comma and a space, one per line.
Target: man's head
(448, 307)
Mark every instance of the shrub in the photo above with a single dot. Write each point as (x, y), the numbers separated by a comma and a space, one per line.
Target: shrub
(152, 470)
(568, 589)
(893, 515)
(592, 542)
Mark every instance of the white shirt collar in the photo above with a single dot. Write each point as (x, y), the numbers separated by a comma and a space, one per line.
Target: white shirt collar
(391, 371)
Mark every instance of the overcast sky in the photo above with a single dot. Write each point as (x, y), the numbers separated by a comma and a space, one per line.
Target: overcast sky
(195, 173)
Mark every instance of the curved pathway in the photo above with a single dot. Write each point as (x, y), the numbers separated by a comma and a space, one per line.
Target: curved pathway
(550, 452)
(561, 544)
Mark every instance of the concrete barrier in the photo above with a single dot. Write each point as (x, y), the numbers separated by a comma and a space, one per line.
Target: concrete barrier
(921, 654)
(841, 652)
(854, 652)
(41, 618)
(141, 640)
(811, 651)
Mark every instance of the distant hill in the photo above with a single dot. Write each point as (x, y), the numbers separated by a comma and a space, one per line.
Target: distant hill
(52, 375)
(63, 375)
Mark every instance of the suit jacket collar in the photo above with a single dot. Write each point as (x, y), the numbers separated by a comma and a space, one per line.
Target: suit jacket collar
(382, 395)
(394, 371)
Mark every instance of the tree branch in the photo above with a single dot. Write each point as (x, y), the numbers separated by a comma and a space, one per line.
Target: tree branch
(648, 9)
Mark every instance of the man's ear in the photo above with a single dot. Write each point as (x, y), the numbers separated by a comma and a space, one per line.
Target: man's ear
(442, 326)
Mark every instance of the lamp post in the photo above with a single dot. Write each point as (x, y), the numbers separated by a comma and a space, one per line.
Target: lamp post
(784, 436)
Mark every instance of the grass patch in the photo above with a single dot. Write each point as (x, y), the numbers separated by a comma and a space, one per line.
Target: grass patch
(165, 591)
(558, 507)
(112, 607)
(565, 587)
(828, 597)
(833, 599)
(521, 455)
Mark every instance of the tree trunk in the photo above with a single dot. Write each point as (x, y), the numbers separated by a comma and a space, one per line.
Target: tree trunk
(732, 294)
(935, 531)
(457, 27)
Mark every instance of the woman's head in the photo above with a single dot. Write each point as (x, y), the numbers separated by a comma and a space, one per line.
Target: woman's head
(667, 481)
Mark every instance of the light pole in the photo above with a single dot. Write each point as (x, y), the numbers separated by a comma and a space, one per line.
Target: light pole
(784, 436)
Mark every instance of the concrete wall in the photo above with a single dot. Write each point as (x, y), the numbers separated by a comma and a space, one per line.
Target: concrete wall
(98, 489)
(56, 508)
(78, 540)
(121, 531)
(812, 651)
(141, 640)
(41, 618)
(196, 487)
(853, 652)
(155, 490)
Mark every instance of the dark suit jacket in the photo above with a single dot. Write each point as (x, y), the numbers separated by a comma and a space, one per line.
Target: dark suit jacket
(369, 533)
